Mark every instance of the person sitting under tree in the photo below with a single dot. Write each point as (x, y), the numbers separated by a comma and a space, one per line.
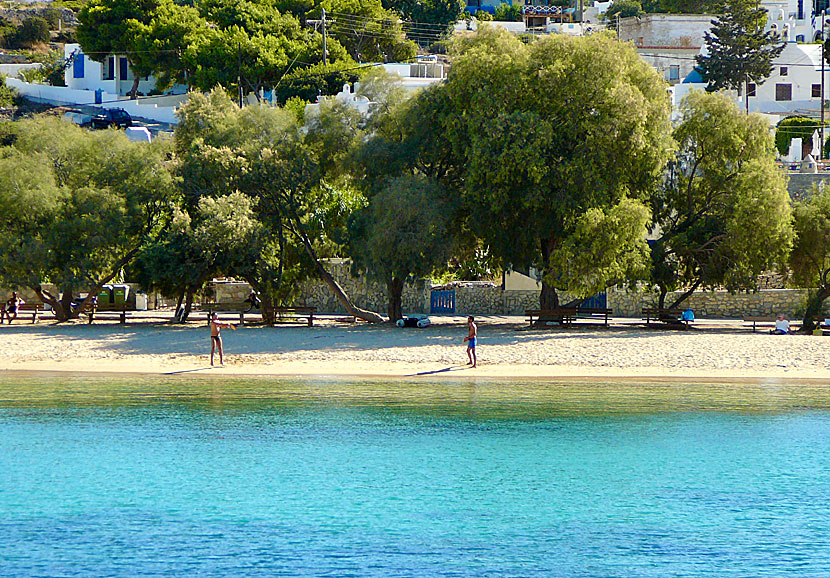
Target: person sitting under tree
(11, 307)
(216, 337)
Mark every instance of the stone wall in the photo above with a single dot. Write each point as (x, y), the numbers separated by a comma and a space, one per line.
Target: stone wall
(799, 185)
(716, 304)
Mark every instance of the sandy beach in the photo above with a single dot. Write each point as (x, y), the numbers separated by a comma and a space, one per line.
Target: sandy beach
(716, 350)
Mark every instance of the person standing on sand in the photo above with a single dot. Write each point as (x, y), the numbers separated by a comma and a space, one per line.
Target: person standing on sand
(216, 337)
(470, 340)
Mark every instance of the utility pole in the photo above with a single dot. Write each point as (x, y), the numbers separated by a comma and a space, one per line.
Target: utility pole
(239, 73)
(323, 22)
(821, 104)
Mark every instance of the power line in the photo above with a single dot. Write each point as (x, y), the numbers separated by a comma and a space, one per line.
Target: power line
(412, 23)
(692, 58)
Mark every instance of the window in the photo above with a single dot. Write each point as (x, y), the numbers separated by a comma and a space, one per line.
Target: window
(750, 89)
(816, 91)
(78, 66)
(783, 71)
(674, 73)
(108, 69)
(783, 92)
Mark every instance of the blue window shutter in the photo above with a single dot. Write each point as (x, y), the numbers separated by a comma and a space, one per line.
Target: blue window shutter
(78, 66)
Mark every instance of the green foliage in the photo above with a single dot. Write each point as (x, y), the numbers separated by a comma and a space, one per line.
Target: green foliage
(739, 51)
(724, 215)
(508, 13)
(444, 13)
(594, 134)
(483, 16)
(260, 44)
(311, 82)
(403, 231)
(809, 263)
(607, 243)
(34, 30)
(8, 96)
(681, 6)
(623, 9)
(261, 153)
(795, 127)
(810, 257)
(76, 205)
(52, 72)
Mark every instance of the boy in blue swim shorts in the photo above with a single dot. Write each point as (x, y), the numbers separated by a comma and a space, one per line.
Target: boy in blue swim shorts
(471, 341)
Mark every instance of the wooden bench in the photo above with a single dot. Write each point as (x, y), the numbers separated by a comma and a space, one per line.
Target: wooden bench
(764, 320)
(570, 314)
(33, 309)
(665, 315)
(238, 307)
(284, 314)
(108, 311)
(296, 312)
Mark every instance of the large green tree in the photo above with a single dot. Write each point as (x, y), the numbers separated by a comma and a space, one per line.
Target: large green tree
(810, 258)
(739, 52)
(261, 152)
(550, 140)
(76, 207)
(723, 216)
(107, 27)
(441, 14)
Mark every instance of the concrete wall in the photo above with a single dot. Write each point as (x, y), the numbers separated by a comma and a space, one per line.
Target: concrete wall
(146, 108)
(666, 30)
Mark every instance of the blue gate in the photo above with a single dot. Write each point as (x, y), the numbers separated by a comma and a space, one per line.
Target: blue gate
(598, 301)
(442, 302)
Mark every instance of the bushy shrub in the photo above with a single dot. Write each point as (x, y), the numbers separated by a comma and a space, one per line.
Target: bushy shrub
(509, 13)
(483, 16)
(34, 30)
(8, 95)
(796, 127)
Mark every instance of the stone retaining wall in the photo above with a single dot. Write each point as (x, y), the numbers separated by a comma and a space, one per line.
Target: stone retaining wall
(717, 304)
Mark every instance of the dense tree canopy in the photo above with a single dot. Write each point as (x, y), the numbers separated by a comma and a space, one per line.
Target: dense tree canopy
(552, 140)
(723, 216)
(76, 206)
(810, 258)
(261, 152)
(250, 45)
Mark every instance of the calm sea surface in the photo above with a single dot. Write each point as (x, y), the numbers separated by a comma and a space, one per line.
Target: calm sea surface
(182, 476)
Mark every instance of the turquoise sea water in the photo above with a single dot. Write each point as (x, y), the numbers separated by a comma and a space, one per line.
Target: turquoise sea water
(254, 477)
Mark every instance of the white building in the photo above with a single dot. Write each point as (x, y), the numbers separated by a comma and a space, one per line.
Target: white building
(669, 42)
(113, 76)
(794, 87)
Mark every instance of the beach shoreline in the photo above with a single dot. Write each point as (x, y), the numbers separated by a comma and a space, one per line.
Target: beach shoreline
(715, 351)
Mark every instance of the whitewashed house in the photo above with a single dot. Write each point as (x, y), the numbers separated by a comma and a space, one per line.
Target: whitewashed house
(113, 76)
(793, 88)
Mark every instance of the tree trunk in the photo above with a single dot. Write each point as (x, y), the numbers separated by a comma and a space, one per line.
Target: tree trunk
(56, 305)
(394, 288)
(686, 295)
(178, 317)
(814, 305)
(661, 301)
(134, 89)
(188, 305)
(335, 287)
(266, 307)
(548, 298)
